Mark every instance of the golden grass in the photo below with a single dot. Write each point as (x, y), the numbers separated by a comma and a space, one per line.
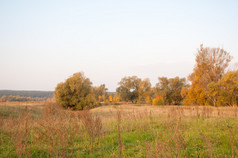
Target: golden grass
(111, 110)
(23, 104)
(197, 111)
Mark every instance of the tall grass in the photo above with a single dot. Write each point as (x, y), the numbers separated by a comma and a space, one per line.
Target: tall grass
(120, 132)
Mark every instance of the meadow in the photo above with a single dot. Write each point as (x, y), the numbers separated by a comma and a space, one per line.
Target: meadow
(47, 130)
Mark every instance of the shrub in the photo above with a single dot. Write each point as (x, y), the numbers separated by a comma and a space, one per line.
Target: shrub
(158, 100)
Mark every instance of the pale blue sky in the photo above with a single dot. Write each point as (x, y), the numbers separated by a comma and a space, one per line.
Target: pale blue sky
(44, 42)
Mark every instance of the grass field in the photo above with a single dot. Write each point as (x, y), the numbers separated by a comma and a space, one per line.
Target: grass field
(46, 130)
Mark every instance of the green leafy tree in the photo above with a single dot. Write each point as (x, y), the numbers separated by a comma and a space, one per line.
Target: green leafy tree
(128, 88)
(170, 89)
(75, 92)
(176, 84)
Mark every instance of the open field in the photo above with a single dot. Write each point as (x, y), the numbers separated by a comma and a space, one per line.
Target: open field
(190, 111)
(46, 130)
(16, 109)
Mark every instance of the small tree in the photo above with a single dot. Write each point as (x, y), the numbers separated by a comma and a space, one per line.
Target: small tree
(158, 100)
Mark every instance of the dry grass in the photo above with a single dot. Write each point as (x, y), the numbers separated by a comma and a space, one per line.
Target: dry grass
(93, 127)
(190, 111)
(121, 131)
(29, 104)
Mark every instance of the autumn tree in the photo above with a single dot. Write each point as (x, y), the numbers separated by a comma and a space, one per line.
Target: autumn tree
(162, 89)
(212, 92)
(229, 88)
(158, 100)
(224, 92)
(176, 84)
(75, 92)
(211, 64)
(170, 89)
(144, 90)
(110, 99)
(184, 91)
(128, 88)
(100, 91)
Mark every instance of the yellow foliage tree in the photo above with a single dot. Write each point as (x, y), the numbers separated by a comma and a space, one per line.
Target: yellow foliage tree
(144, 90)
(229, 88)
(211, 64)
(99, 98)
(103, 98)
(110, 98)
(148, 100)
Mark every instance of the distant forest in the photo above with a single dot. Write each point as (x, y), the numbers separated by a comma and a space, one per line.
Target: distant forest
(11, 95)
(32, 94)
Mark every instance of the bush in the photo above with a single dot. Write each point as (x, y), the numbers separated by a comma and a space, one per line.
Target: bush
(158, 101)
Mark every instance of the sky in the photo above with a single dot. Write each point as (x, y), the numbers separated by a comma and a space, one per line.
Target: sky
(42, 43)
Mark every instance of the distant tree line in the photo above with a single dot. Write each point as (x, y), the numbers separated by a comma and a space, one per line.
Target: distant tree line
(23, 96)
(21, 99)
(209, 84)
(32, 94)
(166, 91)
